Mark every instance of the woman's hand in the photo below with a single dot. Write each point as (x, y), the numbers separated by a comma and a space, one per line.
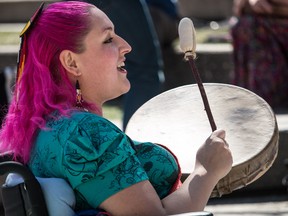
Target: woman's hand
(214, 156)
(213, 161)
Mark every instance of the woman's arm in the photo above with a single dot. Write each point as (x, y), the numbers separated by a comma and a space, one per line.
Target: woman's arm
(213, 161)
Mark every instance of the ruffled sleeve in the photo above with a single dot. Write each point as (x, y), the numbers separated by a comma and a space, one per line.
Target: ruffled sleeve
(99, 160)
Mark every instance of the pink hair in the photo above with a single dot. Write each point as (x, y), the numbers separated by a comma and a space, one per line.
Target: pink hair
(44, 86)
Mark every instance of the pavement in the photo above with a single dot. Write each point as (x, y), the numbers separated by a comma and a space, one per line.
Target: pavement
(257, 203)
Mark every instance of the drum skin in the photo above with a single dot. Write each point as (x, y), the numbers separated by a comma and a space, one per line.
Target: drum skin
(177, 119)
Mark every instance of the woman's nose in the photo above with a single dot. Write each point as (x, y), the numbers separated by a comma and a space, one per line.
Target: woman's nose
(125, 46)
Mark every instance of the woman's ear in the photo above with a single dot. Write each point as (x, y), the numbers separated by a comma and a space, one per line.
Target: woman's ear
(67, 59)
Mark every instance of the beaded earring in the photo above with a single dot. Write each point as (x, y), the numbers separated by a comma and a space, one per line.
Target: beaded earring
(79, 99)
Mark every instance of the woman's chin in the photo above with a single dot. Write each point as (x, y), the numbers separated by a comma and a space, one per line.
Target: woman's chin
(127, 87)
(124, 89)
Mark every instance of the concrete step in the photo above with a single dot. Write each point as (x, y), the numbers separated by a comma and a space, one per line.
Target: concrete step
(9, 51)
(11, 27)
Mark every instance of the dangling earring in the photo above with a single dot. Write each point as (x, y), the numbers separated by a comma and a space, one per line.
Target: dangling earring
(79, 99)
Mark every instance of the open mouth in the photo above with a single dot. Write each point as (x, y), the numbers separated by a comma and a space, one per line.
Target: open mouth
(121, 67)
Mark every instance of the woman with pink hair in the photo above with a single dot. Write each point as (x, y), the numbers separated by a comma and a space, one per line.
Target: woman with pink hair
(71, 62)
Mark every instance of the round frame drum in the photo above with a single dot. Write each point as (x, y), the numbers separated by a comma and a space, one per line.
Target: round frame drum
(177, 119)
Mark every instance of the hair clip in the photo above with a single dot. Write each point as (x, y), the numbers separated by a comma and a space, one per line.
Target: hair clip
(23, 49)
(32, 20)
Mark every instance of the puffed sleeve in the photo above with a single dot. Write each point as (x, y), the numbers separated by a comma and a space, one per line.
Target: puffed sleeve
(99, 160)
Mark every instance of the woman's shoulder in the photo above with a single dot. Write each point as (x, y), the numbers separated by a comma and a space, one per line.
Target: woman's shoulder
(77, 124)
(91, 121)
(81, 119)
(80, 132)
(87, 116)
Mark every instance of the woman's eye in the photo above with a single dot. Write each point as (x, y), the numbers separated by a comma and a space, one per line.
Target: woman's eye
(109, 40)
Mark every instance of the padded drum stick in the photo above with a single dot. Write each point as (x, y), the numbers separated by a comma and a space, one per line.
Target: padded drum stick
(187, 37)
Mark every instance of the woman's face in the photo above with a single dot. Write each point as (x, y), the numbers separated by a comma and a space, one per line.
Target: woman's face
(101, 65)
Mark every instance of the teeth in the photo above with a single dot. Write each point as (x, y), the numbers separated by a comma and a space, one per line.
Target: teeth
(121, 66)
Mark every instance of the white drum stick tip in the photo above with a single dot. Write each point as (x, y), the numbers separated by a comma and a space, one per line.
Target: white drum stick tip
(187, 36)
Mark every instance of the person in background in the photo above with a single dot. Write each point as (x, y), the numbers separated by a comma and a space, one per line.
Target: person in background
(166, 17)
(74, 63)
(261, 49)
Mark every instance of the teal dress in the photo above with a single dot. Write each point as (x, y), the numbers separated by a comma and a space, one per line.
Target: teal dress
(98, 159)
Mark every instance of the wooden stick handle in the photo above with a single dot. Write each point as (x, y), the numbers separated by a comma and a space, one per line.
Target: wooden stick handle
(202, 91)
